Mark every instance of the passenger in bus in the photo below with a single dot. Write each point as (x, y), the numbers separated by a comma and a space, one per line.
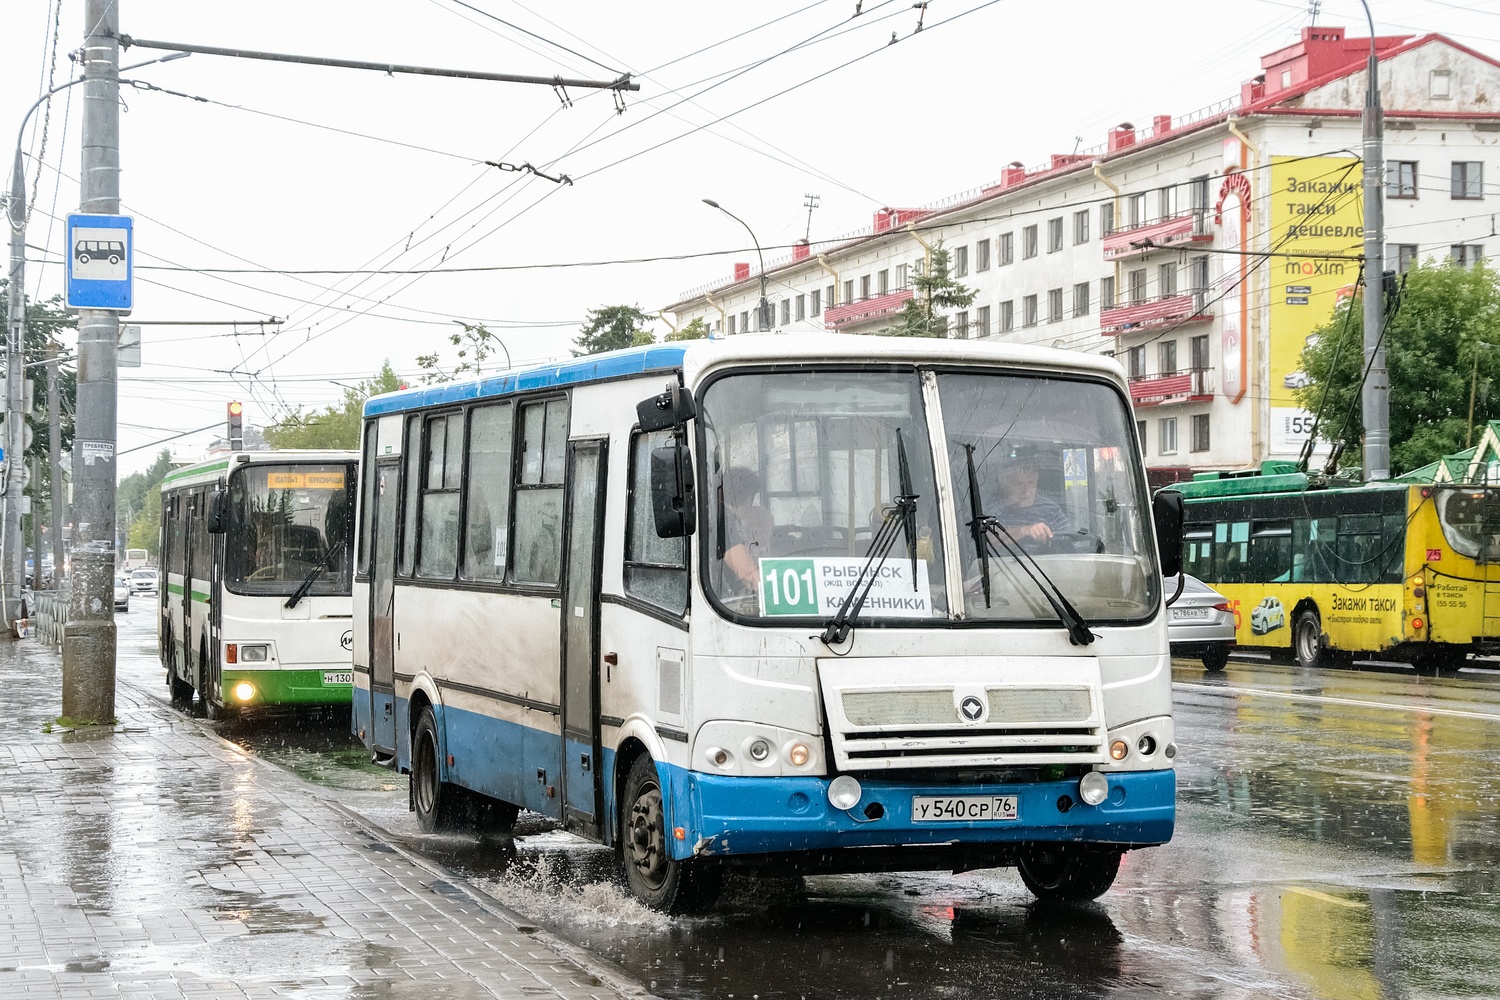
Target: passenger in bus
(1031, 517)
(747, 526)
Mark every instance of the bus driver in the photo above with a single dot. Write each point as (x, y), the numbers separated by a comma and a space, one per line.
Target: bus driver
(747, 526)
(1032, 518)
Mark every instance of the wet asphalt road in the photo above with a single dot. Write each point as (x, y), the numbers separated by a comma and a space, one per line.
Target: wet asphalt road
(1338, 836)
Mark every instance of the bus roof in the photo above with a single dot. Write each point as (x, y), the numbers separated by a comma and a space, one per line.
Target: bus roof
(210, 470)
(694, 357)
(1272, 477)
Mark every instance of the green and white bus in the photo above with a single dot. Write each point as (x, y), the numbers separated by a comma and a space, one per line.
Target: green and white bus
(255, 605)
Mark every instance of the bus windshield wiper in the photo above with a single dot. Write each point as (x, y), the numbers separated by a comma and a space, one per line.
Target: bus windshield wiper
(312, 576)
(901, 516)
(987, 531)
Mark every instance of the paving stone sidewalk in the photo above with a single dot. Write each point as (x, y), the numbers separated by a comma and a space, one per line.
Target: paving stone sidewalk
(154, 860)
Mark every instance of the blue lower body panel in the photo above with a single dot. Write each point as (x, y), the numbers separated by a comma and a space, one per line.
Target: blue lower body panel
(739, 815)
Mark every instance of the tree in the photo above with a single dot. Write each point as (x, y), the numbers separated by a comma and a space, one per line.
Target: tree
(475, 346)
(610, 328)
(933, 288)
(696, 330)
(336, 427)
(1446, 314)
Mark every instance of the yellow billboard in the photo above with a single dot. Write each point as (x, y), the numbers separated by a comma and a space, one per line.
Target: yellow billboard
(1317, 231)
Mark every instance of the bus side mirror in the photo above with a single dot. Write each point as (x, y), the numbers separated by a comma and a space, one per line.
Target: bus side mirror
(218, 512)
(673, 506)
(1167, 513)
(672, 408)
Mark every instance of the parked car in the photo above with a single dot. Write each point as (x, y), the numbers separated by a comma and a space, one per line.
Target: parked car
(1199, 623)
(122, 593)
(1268, 616)
(143, 581)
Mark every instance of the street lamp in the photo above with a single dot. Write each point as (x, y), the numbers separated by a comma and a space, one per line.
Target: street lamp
(765, 306)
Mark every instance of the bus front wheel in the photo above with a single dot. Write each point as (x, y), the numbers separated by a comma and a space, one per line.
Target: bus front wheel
(438, 805)
(1076, 872)
(653, 876)
(1307, 640)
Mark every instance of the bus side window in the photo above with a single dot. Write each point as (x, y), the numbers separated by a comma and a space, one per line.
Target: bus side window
(539, 492)
(1359, 549)
(1271, 552)
(437, 555)
(1197, 550)
(367, 500)
(487, 522)
(411, 478)
(1231, 552)
(655, 567)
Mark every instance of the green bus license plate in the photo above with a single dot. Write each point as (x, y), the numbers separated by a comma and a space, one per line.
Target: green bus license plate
(338, 677)
(961, 808)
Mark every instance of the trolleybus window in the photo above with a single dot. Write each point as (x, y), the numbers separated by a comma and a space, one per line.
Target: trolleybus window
(539, 493)
(801, 468)
(655, 567)
(437, 555)
(487, 523)
(1471, 522)
(287, 522)
(1050, 458)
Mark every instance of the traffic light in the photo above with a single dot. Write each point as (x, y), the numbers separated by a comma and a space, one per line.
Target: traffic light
(236, 426)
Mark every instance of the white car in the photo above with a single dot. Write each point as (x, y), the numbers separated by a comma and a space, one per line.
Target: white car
(1268, 616)
(1199, 622)
(122, 593)
(143, 581)
(1297, 380)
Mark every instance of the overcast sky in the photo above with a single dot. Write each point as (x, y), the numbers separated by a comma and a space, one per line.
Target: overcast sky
(294, 168)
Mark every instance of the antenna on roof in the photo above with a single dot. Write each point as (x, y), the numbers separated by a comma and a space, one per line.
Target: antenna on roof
(810, 204)
(1314, 7)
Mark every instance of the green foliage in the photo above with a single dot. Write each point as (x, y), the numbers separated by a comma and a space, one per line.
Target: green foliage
(475, 346)
(335, 427)
(934, 288)
(611, 328)
(696, 330)
(138, 504)
(1447, 314)
(47, 323)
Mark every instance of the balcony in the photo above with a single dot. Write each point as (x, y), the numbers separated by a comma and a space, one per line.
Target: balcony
(865, 310)
(1154, 314)
(1187, 386)
(1178, 231)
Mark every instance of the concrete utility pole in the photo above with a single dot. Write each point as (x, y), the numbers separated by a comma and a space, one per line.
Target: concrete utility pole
(89, 637)
(14, 567)
(58, 491)
(1375, 394)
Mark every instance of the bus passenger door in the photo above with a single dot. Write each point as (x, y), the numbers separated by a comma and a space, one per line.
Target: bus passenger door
(582, 787)
(382, 606)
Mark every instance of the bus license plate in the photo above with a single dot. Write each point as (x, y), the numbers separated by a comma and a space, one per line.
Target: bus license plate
(1178, 614)
(338, 677)
(961, 808)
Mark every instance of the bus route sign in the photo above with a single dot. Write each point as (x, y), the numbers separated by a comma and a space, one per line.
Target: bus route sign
(817, 586)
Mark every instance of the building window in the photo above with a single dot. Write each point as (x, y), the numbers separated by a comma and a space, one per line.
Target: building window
(744, 322)
(1166, 280)
(1081, 299)
(1199, 193)
(1080, 227)
(1054, 305)
(1166, 202)
(1135, 206)
(883, 281)
(1440, 84)
(1200, 432)
(901, 279)
(1200, 280)
(960, 261)
(1106, 218)
(1007, 248)
(1166, 357)
(848, 291)
(1054, 235)
(982, 255)
(864, 287)
(1468, 180)
(1406, 257)
(1140, 432)
(731, 324)
(830, 297)
(801, 307)
(982, 321)
(1028, 311)
(1466, 254)
(786, 311)
(1167, 435)
(1028, 242)
(961, 324)
(1135, 362)
(1401, 178)
(1198, 352)
(1138, 286)
(1007, 316)
(1107, 292)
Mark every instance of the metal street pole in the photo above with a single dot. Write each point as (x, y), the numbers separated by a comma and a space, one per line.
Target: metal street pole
(1375, 394)
(89, 637)
(14, 561)
(57, 492)
(765, 306)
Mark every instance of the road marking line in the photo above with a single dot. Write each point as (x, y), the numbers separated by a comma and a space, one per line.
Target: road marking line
(1352, 702)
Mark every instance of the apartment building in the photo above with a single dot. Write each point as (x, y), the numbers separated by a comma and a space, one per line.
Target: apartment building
(1200, 250)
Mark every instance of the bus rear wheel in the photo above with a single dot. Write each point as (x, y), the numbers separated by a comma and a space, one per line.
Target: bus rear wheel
(1070, 872)
(652, 875)
(439, 806)
(1307, 641)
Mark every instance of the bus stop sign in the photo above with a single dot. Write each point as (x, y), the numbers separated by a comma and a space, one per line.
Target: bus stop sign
(100, 271)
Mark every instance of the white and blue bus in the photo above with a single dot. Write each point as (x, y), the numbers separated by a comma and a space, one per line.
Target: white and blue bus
(820, 604)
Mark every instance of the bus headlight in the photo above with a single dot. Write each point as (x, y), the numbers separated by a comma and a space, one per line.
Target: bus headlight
(1093, 788)
(844, 792)
(254, 654)
(760, 750)
(244, 690)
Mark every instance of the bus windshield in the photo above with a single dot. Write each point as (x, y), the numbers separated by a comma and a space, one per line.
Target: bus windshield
(1052, 461)
(287, 522)
(802, 470)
